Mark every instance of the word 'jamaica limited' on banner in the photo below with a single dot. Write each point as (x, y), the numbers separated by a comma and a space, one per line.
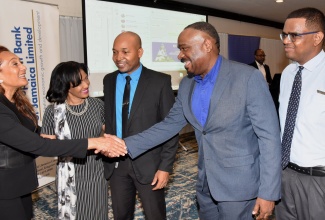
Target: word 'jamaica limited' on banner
(24, 48)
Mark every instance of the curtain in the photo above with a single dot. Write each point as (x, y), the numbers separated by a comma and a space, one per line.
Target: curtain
(241, 48)
(71, 39)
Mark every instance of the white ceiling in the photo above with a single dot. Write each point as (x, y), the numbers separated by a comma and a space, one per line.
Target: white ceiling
(265, 9)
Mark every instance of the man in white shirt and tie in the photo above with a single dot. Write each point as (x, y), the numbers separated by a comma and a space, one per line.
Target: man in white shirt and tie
(302, 117)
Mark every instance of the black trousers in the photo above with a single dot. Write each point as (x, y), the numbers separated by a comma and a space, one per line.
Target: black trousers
(16, 209)
(123, 185)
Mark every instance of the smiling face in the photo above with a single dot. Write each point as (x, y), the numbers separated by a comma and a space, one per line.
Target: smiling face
(127, 52)
(195, 51)
(305, 47)
(80, 92)
(12, 72)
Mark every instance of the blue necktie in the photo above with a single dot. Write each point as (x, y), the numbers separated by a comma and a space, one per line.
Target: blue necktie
(290, 121)
(125, 105)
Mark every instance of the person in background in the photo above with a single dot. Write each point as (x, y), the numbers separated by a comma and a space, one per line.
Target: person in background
(151, 98)
(302, 117)
(236, 127)
(82, 188)
(20, 142)
(259, 64)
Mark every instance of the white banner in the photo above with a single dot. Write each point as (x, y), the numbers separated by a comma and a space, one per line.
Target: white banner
(31, 31)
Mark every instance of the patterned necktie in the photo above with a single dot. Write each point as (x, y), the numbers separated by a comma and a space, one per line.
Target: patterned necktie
(290, 121)
(125, 105)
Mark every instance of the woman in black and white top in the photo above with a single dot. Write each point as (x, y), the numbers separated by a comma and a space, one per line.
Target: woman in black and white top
(82, 188)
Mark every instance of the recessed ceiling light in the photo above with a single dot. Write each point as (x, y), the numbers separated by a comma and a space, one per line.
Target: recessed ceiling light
(279, 1)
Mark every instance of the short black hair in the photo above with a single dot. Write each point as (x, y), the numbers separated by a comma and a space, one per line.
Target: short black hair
(257, 51)
(63, 76)
(206, 28)
(314, 18)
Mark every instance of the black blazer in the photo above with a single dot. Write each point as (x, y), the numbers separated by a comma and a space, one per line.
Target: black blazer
(267, 71)
(152, 101)
(18, 145)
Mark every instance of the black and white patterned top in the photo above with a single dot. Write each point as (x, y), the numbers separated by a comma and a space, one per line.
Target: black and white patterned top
(91, 186)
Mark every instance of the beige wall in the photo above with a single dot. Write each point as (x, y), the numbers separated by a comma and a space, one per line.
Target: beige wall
(243, 28)
(66, 7)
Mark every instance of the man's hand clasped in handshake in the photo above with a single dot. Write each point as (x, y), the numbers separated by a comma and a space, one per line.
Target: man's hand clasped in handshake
(109, 145)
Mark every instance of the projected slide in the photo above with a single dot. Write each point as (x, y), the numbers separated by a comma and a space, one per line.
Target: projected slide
(157, 28)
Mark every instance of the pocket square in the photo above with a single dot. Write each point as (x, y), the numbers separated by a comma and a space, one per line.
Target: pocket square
(320, 92)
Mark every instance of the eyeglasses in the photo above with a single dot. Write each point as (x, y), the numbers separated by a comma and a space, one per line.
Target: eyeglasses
(292, 36)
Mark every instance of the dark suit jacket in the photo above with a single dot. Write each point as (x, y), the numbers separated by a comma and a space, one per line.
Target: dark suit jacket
(17, 167)
(267, 71)
(152, 101)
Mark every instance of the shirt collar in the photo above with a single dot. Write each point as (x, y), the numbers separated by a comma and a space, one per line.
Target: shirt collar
(211, 76)
(135, 75)
(313, 63)
(258, 64)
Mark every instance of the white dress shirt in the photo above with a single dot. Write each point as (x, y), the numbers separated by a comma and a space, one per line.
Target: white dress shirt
(261, 68)
(308, 143)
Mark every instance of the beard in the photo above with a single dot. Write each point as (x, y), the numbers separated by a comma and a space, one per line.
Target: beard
(189, 74)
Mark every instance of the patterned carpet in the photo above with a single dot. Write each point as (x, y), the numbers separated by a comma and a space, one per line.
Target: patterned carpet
(180, 193)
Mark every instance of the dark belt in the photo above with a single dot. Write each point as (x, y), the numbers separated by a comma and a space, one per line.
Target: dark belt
(312, 171)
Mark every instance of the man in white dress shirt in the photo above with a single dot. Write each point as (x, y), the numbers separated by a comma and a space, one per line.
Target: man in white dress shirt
(303, 177)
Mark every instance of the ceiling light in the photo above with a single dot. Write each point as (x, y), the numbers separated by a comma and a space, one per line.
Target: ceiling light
(279, 1)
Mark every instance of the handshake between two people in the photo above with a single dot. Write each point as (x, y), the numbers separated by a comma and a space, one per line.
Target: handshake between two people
(109, 145)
